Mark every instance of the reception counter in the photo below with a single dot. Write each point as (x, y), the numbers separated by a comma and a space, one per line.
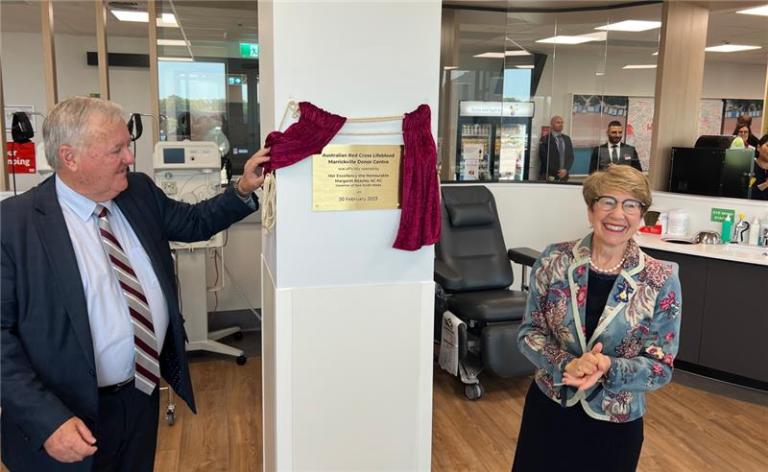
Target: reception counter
(725, 308)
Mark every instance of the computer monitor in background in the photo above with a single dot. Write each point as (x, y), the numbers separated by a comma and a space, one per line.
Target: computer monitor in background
(696, 170)
(737, 170)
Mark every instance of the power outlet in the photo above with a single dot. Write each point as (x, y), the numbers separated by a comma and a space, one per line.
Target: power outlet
(169, 187)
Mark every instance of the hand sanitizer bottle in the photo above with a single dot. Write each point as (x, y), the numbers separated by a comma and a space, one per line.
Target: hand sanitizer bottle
(754, 232)
(726, 230)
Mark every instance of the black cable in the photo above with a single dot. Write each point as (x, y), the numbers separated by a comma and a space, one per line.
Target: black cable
(13, 165)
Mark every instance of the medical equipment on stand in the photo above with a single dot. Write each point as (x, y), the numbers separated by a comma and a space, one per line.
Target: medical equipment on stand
(189, 171)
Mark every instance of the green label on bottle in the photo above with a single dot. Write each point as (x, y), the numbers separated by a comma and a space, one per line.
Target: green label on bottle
(718, 214)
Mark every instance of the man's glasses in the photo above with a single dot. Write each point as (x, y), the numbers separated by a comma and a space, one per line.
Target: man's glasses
(630, 206)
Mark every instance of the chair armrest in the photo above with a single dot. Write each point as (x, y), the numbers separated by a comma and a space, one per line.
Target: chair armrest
(523, 255)
(446, 277)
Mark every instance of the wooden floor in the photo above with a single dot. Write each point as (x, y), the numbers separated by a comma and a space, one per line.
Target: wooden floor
(685, 429)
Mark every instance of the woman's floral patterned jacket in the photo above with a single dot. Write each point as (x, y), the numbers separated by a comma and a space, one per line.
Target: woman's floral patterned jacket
(639, 328)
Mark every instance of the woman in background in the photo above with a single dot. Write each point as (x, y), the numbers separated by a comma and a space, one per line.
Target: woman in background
(601, 326)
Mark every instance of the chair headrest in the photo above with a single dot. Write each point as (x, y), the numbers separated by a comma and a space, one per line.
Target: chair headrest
(471, 214)
(21, 128)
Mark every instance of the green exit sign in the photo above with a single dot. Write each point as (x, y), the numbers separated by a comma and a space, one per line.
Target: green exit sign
(718, 214)
(249, 50)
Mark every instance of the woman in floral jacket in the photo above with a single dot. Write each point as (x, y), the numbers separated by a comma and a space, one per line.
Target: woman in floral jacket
(601, 326)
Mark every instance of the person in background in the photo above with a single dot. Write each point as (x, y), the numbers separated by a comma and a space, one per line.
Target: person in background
(744, 132)
(614, 151)
(90, 316)
(602, 327)
(760, 185)
(742, 121)
(555, 153)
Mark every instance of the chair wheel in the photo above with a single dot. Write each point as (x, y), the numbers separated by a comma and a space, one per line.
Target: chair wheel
(241, 360)
(473, 391)
(238, 336)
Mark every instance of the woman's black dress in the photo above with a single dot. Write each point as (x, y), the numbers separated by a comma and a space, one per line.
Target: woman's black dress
(553, 438)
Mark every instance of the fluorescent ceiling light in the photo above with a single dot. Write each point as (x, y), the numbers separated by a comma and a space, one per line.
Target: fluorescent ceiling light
(631, 25)
(639, 66)
(655, 53)
(731, 48)
(130, 15)
(580, 39)
(762, 11)
(451, 67)
(525, 67)
(490, 55)
(165, 20)
(175, 59)
(502, 55)
(599, 74)
(171, 42)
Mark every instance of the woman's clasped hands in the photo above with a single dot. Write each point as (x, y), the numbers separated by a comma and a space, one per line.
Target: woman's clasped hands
(585, 371)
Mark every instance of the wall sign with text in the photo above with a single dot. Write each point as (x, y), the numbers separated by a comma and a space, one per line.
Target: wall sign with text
(356, 177)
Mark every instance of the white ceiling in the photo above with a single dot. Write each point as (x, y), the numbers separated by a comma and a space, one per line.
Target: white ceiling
(485, 31)
(215, 23)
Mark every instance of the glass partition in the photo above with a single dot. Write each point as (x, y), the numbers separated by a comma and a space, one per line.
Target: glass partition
(535, 102)
(208, 70)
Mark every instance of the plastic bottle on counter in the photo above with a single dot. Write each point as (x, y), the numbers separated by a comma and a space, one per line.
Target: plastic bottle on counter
(754, 232)
(763, 238)
(741, 230)
(726, 230)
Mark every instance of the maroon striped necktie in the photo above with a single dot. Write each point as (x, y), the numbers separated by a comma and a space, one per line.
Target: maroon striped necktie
(147, 368)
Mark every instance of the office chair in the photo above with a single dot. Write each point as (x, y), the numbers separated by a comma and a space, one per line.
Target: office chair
(473, 275)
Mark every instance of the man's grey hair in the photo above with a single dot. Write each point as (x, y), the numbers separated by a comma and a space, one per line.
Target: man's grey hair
(68, 122)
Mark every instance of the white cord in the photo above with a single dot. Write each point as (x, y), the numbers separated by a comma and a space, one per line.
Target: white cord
(268, 205)
(241, 293)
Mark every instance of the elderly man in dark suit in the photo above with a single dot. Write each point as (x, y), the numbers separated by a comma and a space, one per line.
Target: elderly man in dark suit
(614, 151)
(555, 153)
(90, 315)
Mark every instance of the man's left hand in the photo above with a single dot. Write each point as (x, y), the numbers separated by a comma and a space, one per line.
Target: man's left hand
(253, 173)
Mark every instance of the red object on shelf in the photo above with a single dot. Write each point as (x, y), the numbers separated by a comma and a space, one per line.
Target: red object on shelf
(655, 229)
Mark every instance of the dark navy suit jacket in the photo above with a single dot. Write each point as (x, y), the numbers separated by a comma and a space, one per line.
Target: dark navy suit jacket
(48, 368)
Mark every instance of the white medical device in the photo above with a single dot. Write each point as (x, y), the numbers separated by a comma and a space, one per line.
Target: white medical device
(189, 171)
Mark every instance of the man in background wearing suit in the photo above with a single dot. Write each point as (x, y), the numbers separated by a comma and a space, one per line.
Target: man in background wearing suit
(614, 152)
(555, 153)
(90, 315)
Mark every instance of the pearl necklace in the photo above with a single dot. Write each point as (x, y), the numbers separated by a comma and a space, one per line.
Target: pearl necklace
(609, 270)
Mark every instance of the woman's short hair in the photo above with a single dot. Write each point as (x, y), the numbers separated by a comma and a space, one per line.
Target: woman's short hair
(763, 140)
(621, 178)
(67, 123)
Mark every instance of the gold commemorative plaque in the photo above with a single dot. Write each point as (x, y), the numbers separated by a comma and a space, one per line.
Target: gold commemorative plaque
(356, 177)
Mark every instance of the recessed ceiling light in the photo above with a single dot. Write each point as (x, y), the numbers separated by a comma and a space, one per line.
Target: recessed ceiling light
(165, 20)
(129, 15)
(171, 42)
(517, 52)
(528, 66)
(490, 55)
(639, 66)
(631, 25)
(655, 53)
(762, 11)
(731, 48)
(580, 39)
(175, 59)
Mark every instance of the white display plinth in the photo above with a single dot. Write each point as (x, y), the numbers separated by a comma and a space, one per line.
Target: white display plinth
(347, 319)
